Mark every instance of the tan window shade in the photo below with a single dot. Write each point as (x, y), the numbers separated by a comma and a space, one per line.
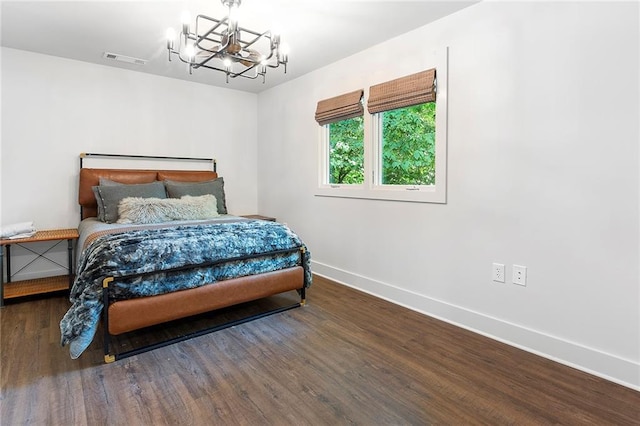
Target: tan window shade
(339, 108)
(402, 92)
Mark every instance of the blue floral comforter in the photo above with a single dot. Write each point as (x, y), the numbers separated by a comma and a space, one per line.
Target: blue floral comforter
(156, 249)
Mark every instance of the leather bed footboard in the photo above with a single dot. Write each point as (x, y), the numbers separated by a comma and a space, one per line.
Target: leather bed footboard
(133, 314)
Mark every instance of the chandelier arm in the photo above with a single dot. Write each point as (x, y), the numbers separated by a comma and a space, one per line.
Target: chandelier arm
(255, 33)
(251, 77)
(214, 53)
(212, 67)
(221, 48)
(215, 27)
(196, 65)
(257, 38)
(241, 58)
(232, 74)
(207, 50)
(182, 60)
(241, 74)
(199, 38)
(278, 66)
(217, 55)
(217, 39)
(269, 57)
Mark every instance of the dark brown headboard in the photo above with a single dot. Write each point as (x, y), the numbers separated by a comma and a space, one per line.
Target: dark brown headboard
(91, 177)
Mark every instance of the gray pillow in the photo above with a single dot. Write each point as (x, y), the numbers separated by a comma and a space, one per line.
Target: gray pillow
(103, 182)
(98, 203)
(110, 196)
(214, 187)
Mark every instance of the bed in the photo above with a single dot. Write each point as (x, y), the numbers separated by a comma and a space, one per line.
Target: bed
(136, 275)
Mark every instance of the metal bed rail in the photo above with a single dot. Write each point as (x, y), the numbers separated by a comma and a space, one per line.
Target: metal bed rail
(84, 155)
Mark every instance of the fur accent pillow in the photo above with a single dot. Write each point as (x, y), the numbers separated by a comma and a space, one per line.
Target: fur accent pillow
(155, 210)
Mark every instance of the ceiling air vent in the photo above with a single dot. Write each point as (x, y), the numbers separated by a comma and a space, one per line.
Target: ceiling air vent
(123, 58)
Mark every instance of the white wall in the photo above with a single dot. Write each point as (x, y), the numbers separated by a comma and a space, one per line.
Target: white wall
(53, 109)
(543, 172)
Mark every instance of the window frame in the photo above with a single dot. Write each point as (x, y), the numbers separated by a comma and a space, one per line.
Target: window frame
(372, 188)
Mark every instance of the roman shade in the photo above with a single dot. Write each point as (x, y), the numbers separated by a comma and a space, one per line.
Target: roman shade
(402, 92)
(340, 107)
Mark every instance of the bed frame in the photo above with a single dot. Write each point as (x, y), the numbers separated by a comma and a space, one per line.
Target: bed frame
(124, 316)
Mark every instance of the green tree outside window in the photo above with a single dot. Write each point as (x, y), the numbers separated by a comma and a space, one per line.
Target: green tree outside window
(408, 145)
(346, 151)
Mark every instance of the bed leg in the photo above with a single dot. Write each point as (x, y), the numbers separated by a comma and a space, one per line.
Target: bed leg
(303, 296)
(108, 358)
(303, 290)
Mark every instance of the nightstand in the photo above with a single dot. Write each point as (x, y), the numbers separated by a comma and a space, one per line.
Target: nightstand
(9, 289)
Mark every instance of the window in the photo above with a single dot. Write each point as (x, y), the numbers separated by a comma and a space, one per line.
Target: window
(342, 152)
(397, 151)
(406, 145)
(346, 151)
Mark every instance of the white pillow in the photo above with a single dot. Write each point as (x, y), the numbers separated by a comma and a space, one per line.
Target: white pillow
(155, 210)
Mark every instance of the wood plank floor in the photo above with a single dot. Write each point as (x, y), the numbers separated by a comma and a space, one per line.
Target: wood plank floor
(345, 358)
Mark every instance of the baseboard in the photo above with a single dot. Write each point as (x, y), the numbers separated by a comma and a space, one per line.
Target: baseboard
(607, 366)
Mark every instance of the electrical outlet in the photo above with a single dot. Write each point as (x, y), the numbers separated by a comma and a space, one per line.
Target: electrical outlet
(498, 272)
(519, 275)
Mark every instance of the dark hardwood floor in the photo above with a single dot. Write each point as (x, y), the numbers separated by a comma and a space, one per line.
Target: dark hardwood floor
(345, 358)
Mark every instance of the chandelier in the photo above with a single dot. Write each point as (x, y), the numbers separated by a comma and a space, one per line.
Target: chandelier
(222, 45)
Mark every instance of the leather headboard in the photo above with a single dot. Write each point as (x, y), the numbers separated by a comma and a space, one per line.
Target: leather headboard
(91, 177)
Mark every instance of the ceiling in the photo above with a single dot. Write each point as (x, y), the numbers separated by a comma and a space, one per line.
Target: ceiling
(318, 32)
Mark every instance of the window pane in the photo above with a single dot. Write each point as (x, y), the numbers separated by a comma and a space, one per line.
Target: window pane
(408, 145)
(346, 151)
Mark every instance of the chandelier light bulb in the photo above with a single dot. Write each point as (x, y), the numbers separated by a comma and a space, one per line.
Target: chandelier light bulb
(190, 51)
(186, 20)
(233, 13)
(227, 63)
(284, 52)
(171, 36)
